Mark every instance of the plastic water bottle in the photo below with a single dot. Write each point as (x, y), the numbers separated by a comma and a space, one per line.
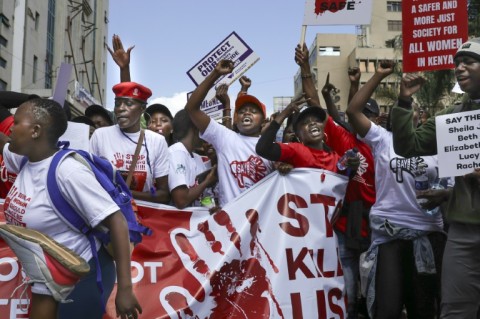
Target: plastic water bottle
(436, 210)
(422, 183)
(342, 162)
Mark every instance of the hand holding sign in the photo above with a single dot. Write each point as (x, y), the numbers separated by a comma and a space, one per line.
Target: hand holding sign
(224, 67)
(301, 55)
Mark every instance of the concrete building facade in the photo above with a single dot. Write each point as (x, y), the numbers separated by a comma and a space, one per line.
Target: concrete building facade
(335, 53)
(38, 36)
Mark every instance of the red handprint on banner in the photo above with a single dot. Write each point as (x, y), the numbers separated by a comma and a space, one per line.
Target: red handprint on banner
(237, 288)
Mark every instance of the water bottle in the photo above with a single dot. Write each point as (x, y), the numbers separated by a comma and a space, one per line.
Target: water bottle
(342, 162)
(421, 184)
(436, 210)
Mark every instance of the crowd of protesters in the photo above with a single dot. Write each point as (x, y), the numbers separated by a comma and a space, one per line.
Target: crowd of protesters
(412, 263)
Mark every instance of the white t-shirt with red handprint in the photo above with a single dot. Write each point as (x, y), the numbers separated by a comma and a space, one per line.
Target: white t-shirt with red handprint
(239, 166)
(119, 148)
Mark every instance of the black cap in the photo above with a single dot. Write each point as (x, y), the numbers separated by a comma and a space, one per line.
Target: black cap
(371, 108)
(311, 110)
(157, 108)
(83, 119)
(95, 109)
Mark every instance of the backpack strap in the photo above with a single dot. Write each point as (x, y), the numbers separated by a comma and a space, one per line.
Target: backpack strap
(66, 212)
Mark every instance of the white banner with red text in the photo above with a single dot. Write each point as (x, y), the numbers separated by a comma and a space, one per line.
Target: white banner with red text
(270, 253)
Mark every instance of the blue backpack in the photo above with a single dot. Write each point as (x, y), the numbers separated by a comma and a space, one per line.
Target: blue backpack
(113, 183)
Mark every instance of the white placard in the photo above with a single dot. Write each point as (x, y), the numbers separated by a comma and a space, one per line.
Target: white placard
(327, 12)
(458, 143)
(78, 136)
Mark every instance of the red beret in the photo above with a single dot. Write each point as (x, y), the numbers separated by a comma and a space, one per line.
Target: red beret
(243, 99)
(132, 90)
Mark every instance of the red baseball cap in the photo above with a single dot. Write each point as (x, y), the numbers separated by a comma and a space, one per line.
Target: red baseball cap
(243, 99)
(132, 90)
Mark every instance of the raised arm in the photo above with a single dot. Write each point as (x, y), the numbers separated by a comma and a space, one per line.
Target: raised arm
(331, 107)
(222, 96)
(301, 58)
(245, 83)
(354, 77)
(121, 57)
(199, 118)
(266, 146)
(408, 140)
(360, 123)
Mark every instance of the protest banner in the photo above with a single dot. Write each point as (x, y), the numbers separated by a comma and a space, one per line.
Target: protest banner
(231, 48)
(337, 12)
(270, 253)
(432, 32)
(458, 143)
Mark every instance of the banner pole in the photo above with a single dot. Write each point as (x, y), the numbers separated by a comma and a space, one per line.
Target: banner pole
(302, 37)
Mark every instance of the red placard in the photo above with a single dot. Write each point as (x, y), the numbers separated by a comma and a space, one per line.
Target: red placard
(433, 31)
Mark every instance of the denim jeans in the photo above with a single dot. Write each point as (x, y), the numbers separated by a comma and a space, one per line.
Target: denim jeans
(350, 264)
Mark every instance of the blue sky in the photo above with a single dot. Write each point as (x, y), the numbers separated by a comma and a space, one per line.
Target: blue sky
(170, 36)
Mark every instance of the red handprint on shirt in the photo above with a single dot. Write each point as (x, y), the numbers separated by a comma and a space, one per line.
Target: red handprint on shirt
(253, 169)
(119, 161)
(240, 288)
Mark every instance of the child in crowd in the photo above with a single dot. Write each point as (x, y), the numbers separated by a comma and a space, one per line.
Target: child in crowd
(118, 144)
(185, 165)
(239, 166)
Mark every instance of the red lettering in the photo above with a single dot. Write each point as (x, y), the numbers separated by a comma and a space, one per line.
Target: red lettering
(320, 260)
(321, 306)
(297, 264)
(334, 307)
(284, 209)
(326, 201)
(296, 305)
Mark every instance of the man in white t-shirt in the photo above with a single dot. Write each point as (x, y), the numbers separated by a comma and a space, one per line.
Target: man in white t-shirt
(185, 165)
(239, 166)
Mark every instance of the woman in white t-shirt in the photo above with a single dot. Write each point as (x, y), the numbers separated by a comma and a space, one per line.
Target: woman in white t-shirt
(239, 166)
(118, 143)
(38, 124)
(407, 244)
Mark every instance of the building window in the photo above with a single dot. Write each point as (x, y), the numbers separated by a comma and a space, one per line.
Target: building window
(394, 25)
(3, 62)
(5, 20)
(329, 51)
(3, 41)
(35, 66)
(37, 20)
(3, 85)
(394, 6)
(50, 42)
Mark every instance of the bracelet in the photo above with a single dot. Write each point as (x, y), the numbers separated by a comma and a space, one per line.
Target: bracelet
(227, 110)
(306, 76)
(226, 118)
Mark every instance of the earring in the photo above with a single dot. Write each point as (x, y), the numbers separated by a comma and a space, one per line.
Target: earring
(325, 137)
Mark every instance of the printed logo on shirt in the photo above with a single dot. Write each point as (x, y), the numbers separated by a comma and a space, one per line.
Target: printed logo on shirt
(14, 207)
(411, 166)
(361, 170)
(180, 169)
(252, 169)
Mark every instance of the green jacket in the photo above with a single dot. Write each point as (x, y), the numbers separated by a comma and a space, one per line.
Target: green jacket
(464, 203)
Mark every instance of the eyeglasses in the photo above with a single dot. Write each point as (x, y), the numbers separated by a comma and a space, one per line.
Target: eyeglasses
(127, 102)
